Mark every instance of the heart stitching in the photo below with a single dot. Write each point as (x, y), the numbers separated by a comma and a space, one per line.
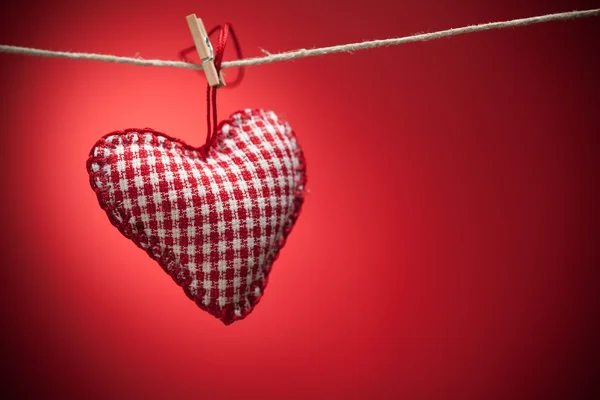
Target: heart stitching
(214, 218)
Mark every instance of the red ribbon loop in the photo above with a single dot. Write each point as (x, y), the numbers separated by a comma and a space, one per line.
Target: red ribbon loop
(211, 92)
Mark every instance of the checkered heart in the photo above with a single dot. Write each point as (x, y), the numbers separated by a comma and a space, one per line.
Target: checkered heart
(214, 218)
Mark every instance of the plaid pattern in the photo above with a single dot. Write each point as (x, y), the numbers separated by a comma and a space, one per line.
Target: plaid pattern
(215, 220)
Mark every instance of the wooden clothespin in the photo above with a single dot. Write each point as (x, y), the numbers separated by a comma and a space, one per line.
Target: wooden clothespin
(205, 50)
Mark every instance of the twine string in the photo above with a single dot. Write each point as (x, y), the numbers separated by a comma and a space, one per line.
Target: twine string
(302, 53)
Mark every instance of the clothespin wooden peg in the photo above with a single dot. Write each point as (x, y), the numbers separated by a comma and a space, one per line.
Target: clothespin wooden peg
(205, 50)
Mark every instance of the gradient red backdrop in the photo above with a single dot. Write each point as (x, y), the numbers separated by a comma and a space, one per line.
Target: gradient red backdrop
(448, 247)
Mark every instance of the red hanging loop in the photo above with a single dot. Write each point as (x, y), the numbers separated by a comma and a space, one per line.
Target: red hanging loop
(211, 92)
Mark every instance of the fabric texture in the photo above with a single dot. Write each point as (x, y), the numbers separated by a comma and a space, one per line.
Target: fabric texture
(214, 218)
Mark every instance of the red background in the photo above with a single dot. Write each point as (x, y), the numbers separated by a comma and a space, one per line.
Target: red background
(448, 247)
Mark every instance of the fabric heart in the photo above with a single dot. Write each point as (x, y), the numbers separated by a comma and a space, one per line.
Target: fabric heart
(214, 218)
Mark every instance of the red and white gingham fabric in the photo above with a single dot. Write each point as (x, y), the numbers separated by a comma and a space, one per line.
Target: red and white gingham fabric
(214, 220)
